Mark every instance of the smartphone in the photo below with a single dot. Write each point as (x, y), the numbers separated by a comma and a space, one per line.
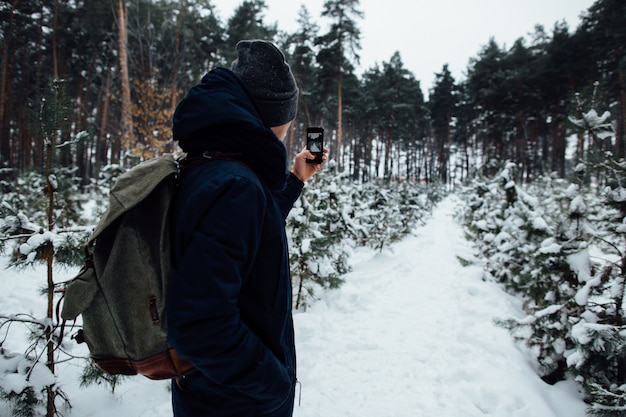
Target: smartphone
(315, 144)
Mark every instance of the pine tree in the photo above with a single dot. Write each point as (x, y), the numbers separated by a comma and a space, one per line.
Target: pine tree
(47, 236)
(317, 231)
(247, 22)
(442, 110)
(600, 356)
(337, 47)
(556, 245)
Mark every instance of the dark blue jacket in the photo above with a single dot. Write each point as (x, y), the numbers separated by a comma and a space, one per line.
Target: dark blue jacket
(229, 304)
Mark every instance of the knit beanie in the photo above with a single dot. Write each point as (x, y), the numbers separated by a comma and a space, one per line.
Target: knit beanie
(262, 67)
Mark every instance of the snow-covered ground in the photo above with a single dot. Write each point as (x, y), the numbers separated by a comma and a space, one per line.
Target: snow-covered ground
(411, 333)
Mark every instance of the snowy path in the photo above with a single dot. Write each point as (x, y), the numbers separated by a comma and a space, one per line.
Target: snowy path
(411, 334)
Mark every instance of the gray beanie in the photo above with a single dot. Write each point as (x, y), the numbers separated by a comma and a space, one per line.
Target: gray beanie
(262, 67)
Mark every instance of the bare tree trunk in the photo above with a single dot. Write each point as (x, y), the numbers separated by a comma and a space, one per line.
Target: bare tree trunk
(82, 150)
(367, 156)
(50, 391)
(126, 127)
(377, 157)
(442, 140)
(558, 148)
(5, 94)
(23, 142)
(179, 22)
(339, 120)
(621, 127)
(102, 146)
(357, 155)
(387, 172)
(48, 142)
(407, 161)
(55, 64)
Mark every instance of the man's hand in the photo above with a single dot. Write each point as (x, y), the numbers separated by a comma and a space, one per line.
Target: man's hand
(304, 170)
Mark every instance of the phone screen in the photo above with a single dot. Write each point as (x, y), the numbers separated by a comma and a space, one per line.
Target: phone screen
(315, 143)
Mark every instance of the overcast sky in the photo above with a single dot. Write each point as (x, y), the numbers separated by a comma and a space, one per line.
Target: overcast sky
(429, 34)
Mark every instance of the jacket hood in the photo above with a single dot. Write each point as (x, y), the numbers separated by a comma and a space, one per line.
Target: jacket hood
(219, 115)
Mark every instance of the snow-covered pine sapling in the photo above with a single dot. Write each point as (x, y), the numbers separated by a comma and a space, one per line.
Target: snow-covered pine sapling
(600, 355)
(318, 232)
(30, 222)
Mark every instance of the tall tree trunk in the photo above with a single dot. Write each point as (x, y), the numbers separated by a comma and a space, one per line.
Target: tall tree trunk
(103, 132)
(126, 125)
(38, 151)
(82, 150)
(358, 152)
(558, 148)
(367, 155)
(352, 147)
(386, 164)
(55, 63)
(25, 137)
(339, 120)
(179, 23)
(379, 151)
(5, 92)
(49, 145)
(5, 148)
(621, 127)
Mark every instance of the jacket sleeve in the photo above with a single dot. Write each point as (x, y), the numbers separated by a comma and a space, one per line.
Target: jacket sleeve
(203, 316)
(289, 194)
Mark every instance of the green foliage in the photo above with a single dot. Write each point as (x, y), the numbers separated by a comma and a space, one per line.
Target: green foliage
(511, 106)
(317, 231)
(41, 220)
(247, 22)
(24, 231)
(94, 375)
(26, 234)
(23, 404)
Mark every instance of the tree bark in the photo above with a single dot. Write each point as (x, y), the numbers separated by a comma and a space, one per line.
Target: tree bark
(126, 125)
(5, 93)
(621, 127)
(179, 23)
(49, 257)
(103, 132)
(55, 64)
(339, 120)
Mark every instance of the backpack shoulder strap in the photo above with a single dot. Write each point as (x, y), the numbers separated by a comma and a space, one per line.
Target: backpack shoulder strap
(193, 159)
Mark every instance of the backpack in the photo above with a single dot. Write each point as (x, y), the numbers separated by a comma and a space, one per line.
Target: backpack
(120, 291)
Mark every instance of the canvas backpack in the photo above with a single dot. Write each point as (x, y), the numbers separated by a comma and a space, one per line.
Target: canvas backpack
(121, 290)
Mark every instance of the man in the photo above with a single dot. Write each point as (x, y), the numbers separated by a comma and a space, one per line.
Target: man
(229, 305)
